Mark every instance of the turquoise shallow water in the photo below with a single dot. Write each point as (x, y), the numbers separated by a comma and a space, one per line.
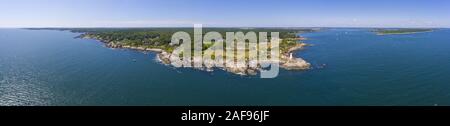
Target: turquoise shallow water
(52, 68)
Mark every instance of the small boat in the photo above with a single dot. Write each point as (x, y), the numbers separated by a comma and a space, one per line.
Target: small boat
(134, 60)
(322, 66)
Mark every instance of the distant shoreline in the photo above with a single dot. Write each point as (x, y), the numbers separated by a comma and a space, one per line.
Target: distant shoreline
(401, 31)
(406, 33)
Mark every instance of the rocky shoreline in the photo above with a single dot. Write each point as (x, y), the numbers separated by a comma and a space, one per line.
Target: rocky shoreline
(292, 63)
(286, 61)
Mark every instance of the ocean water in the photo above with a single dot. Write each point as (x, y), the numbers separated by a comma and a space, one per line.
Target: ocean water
(351, 67)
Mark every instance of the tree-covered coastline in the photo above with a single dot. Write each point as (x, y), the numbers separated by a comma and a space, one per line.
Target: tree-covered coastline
(160, 38)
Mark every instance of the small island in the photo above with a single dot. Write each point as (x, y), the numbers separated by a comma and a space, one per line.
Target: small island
(158, 40)
(401, 31)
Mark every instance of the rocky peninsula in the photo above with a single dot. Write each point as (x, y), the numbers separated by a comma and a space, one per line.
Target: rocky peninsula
(286, 61)
(158, 40)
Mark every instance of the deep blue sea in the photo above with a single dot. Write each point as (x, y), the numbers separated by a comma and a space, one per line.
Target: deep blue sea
(351, 67)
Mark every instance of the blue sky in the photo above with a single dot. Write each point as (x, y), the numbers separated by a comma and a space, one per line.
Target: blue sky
(225, 13)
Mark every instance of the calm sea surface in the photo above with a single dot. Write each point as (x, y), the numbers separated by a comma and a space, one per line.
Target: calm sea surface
(41, 67)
